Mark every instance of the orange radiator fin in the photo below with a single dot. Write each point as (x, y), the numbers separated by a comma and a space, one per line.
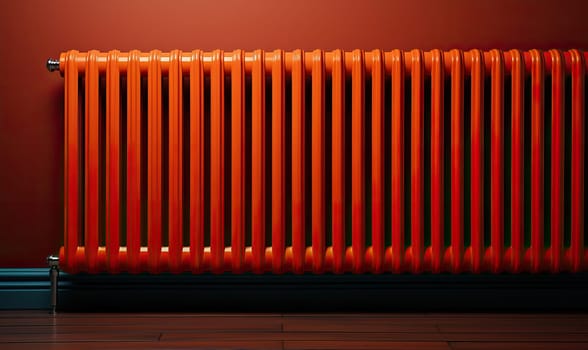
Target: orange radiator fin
(357, 162)
(338, 161)
(537, 145)
(196, 161)
(517, 161)
(71, 161)
(318, 161)
(477, 161)
(112, 161)
(238, 167)
(417, 159)
(437, 161)
(175, 142)
(397, 170)
(578, 162)
(134, 177)
(92, 165)
(557, 159)
(377, 165)
(497, 160)
(258, 161)
(217, 162)
(457, 153)
(298, 173)
(154, 149)
(278, 163)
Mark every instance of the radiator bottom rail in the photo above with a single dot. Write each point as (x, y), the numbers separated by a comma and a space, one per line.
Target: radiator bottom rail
(120, 262)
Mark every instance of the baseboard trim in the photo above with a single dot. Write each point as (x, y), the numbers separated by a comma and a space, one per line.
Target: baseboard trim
(29, 289)
(24, 289)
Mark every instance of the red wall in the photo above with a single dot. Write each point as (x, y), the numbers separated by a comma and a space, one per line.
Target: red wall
(31, 99)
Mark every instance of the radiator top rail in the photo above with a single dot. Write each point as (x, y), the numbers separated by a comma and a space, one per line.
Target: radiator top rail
(269, 57)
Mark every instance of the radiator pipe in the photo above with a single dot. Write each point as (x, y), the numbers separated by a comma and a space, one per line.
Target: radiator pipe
(53, 262)
(52, 64)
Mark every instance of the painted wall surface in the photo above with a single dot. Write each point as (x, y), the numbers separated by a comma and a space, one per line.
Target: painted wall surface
(31, 99)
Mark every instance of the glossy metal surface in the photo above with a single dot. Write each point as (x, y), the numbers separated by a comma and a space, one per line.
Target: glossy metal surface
(517, 180)
(154, 161)
(91, 163)
(537, 160)
(477, 161)
(437, 162)
(578, 164)
(175, 163)
(258, 155)
(457, 160)
(278, 122)
(238, 166)
(497, 159)
(217, 163)
(112, 166)
(279, 162)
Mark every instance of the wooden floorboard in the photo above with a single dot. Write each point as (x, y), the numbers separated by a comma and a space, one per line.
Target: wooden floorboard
(39, 330)
(365, 344)
(358, 324)
(519, 345)
(213, 345)
(305, 336)
(514, 337)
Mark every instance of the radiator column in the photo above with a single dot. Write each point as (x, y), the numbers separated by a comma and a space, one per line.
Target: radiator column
(238, 167)
(175, 166)
(71, 198)
(437, 162)
(496, 160)
(298, 161)
(338, 161)
(517, 181)
(578, 162)
(397, 171)
(134, 176)
(154, 161)
(477, 161)
(557, 160)
(92, 164)
(258, 155)
(318, 162)
(537, 145)
(217, 163)
(113, 162)
(357, 161)
(278, 163)
(377, 144)
(197, 162)
(456, 162)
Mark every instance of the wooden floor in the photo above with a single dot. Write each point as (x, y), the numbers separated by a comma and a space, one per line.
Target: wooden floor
(38, 330)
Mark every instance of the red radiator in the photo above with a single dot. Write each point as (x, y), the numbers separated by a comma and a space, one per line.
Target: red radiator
(324, 161)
